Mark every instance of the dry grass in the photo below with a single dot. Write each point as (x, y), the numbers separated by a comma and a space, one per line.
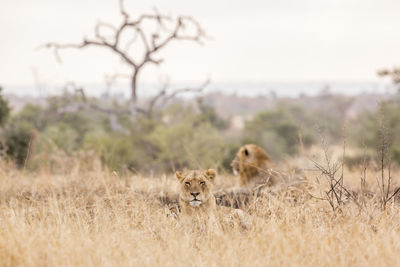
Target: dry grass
(95, 218)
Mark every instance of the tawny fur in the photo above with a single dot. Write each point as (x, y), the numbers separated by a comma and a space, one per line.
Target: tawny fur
(254, 166)
(197, 200)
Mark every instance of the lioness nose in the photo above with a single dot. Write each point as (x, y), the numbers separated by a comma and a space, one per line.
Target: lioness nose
(195, 194)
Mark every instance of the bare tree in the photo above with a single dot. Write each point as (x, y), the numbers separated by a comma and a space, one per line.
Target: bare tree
(168, 29)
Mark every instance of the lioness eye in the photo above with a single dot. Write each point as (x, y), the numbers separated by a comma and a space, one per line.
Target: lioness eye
(187, 183)
(202, 183)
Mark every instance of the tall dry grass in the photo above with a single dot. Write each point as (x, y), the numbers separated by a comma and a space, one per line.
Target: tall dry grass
(93, 217)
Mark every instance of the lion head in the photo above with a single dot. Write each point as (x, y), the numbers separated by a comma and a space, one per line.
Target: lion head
(251, 162)
(197, 201)
(196, 186)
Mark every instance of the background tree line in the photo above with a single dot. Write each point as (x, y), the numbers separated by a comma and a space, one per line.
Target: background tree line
(180, 134)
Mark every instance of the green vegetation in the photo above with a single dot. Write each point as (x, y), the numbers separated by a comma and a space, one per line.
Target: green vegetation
(381, 127)
(182, 136)
(4, 109)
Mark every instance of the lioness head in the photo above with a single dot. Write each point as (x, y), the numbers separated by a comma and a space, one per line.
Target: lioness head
(249, 155)
(250, 161)
(196, 186)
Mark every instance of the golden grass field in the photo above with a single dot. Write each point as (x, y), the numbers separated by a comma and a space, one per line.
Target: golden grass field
(94, 217)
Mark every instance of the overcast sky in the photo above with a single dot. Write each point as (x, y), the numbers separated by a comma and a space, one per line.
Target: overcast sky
(253, 40)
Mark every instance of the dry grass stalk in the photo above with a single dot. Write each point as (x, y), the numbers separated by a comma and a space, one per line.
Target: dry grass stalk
(96, 218)
(385, 182)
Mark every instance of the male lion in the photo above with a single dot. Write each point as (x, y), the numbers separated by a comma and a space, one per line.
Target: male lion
(197, 201)
(253, 165)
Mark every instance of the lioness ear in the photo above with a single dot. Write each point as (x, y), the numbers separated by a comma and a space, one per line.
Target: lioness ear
(179, 175)
(211, 174)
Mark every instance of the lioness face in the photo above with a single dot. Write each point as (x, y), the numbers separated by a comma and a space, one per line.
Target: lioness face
(248, 156)
(243, 153)
(196, 186)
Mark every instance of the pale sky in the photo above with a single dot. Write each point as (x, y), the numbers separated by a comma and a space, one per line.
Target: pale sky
(252, 41)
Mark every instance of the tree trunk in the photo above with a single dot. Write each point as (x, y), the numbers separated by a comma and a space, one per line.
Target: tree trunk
(133, 107)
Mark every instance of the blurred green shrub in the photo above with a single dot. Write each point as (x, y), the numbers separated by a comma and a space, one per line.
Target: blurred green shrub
(4, 109)
(281, 131)
(177, 136)
(207, 113)
(368, 131)
(16, 139)
(358, 160)
(15, 136)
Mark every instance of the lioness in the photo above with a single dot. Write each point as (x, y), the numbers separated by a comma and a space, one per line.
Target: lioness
(253, 165)
(197, 201)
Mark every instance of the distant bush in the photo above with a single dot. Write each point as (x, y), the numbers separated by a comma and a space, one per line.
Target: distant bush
(281, 130)
(177, 136)
(185, 138)
(115, 150)
(16, 139)
(356, 161)
(207, 113)
(368, 132)
(14, 136)
(183, 146)
(231, 147)
(4, 109)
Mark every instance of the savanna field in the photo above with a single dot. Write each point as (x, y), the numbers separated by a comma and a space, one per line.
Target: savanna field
(188, 133)
(86, 215)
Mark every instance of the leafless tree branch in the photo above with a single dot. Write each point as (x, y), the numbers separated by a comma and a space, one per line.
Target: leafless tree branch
(177, 92)
(152, 42)
(164, 97)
